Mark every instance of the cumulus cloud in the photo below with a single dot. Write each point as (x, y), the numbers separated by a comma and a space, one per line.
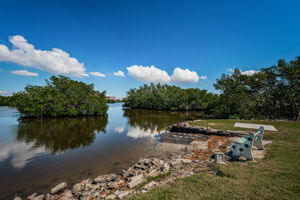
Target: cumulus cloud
(249, 72)
(203, 77)
(99, 74)
(24, 73)
(136, 132)
(5, 93)
(230, 70)
(21, 153)
(119, 73)
(119, 129)
(54, 61)
(184, 76)
(149, 74)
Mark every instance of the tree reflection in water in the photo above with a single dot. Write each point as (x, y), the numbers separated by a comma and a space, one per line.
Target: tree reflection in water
(157, 120)
(60, 134)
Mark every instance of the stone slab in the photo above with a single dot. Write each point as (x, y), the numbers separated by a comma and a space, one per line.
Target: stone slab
(255, 126)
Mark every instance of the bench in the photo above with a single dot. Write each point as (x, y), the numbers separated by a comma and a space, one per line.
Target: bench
(243, 147)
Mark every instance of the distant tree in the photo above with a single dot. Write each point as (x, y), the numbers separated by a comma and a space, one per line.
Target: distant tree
(166, 97)
(60, 97)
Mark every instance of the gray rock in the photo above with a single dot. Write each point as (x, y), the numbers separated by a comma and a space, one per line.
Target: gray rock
(152, 173)
(143, 191)
(166, 167)
(67, 194)
(136, 180)
(105, 178)
(31, 196)
(175, 163)
(58, 188)
(186, 161)
(39, 197)
(102, 195)
(150, 185)
(113, 185)
(77, 188)
(49, 196)
(111, 196)
(123, 194)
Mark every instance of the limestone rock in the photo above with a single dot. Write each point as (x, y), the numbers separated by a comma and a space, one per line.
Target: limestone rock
(150, 185)
(123, 194)
(58, 188)
(39, 197)
(105, 178)
(113, 185)
(136, 180)
(111, 196)
(31, 196)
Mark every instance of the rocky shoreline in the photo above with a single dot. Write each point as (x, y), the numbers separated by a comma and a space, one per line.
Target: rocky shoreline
(147, 173)
(139, 178)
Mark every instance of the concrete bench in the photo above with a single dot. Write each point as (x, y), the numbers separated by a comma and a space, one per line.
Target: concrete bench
(243, 147)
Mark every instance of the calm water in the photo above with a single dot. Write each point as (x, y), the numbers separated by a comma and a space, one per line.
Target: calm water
(37, 154)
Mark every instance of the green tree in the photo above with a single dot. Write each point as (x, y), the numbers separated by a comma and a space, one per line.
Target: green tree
(60, 97)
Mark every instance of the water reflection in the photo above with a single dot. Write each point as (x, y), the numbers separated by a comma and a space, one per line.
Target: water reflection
(60, 134)
(156, 120)
(149, 123)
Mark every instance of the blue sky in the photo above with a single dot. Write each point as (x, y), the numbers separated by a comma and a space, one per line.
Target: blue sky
(187, 43)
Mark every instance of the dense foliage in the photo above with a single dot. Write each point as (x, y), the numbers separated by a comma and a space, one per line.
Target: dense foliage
(166, 97)
(60, 97)
(272, 93)
(4, 100)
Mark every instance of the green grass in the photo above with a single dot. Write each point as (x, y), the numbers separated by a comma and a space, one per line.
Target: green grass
(275, 177)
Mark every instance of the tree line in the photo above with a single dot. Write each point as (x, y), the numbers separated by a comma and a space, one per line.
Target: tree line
(271, 93)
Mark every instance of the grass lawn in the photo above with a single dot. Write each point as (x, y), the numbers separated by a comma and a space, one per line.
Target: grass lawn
(275, 177)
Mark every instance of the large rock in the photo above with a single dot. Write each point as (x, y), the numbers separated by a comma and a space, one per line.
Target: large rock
(136, 180)
(150, 185)
(58, 188)
(175, 163)
(31, 196)
(39, 197)
(186, 161)
(111, 197)
(166, 167)
(123, 194)
(105, 178)
(113, 185)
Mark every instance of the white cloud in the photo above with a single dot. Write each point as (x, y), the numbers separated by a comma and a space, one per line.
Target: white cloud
(119, 129)
(152, 74)
(24, 73)
(203, 77)
(249, 72)
(119, 73)
(99, 74)
(54, 61)
(230, 70)
(136, 132)
(5, 93)
(21, 153)
(184, 76)
(148, 74)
